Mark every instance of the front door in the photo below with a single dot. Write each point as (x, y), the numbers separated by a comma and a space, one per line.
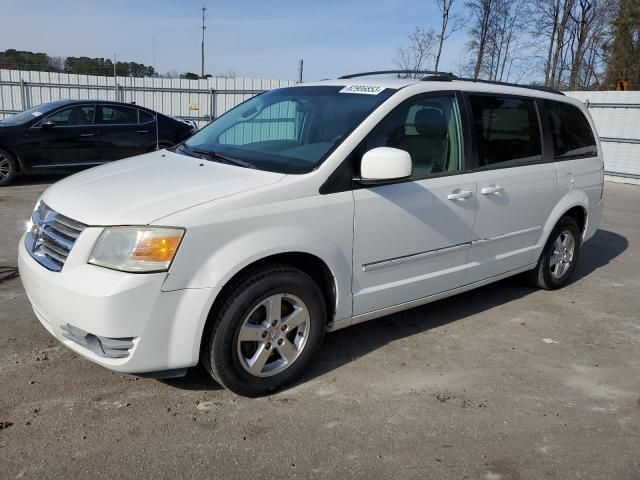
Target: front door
(517, 187)
(411, 238)
(66, 138)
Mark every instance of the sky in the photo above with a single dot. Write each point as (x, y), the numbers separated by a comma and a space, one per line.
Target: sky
(253, 38)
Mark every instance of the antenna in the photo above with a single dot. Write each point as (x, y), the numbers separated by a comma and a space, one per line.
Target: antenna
(204, 9)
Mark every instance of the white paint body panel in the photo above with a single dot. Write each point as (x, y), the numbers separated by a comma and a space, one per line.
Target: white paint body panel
(234, 217)
(409, 219)
(509, 221)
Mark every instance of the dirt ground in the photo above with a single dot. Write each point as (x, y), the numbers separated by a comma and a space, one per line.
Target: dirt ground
(505, 382)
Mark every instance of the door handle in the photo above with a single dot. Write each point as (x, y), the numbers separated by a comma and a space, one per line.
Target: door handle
(459, 195)
(85, 135)
(492, 190)
(142, 131)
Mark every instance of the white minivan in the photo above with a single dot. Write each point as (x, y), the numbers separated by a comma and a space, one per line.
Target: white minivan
(308, 209)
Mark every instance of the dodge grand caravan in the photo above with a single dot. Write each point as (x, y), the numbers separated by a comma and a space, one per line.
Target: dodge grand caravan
(308, 209)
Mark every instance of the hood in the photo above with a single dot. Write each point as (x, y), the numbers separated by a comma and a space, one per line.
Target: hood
(139, 190)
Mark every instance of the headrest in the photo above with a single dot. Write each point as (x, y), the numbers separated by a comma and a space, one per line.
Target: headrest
(431, 123)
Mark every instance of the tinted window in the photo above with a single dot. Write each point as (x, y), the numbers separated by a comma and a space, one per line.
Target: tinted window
(288, 130)
(570, 130)
(506, 129)
(79, 115)
(116, 115)
(428, 129)
(146, 117)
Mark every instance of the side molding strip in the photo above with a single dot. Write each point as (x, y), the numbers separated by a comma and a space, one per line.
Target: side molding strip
(412, 258)
(507, 235)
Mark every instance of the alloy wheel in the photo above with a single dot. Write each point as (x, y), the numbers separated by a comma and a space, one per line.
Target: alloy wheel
(562, 254)
(273, 335)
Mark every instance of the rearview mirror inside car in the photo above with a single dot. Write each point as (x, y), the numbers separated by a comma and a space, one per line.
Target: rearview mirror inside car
(385, 163)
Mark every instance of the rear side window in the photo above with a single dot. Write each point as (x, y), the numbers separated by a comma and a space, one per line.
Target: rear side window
(145, 117)
(116, 115)
(571, 133)
(507, 129)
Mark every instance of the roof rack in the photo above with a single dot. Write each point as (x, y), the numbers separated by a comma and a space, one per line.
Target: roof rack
(399, 72)
(434, 76)
(540, 88)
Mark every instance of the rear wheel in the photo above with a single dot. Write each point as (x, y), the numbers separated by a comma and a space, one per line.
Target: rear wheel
(266, 331)
(8, 168)
(559, 257)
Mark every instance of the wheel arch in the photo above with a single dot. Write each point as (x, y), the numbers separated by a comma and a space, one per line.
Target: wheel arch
(309, 263)
(574, 204)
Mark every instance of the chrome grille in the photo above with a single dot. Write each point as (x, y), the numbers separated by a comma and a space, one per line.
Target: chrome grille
(51, 237)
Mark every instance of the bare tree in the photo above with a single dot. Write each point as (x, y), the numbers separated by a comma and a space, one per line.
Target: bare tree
(448, 25)
(482, 17)
(418, 53)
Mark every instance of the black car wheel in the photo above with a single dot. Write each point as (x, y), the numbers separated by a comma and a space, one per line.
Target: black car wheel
(8, 168)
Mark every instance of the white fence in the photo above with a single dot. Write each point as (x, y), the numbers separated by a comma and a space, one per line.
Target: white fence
(616, 114)
(617, 119)
(198, 100)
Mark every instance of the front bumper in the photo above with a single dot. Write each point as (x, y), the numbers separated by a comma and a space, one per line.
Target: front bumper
(164, 328)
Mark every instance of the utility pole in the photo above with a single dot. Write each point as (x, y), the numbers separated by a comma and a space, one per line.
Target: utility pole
(300, 67)
(204, 9)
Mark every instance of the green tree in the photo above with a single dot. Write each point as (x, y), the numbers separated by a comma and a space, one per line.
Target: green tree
(624, 50)
(24, 60)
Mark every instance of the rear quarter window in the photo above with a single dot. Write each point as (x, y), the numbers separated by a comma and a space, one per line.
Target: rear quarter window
(570, 130)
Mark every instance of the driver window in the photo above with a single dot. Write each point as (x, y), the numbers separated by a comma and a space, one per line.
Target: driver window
(428, 129)
(74, 116)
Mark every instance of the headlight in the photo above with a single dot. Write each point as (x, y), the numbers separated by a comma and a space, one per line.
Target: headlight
(136, 249)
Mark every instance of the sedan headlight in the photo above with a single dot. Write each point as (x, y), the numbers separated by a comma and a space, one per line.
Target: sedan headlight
(136, 249)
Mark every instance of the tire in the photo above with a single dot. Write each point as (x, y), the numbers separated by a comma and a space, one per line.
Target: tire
(276, 348)
(8, 168)
(558, 259)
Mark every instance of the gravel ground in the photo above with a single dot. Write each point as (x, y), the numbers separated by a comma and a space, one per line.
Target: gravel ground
(504, 382)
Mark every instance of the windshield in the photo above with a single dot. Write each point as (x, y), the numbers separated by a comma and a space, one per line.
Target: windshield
(288, 130)
(27, 115)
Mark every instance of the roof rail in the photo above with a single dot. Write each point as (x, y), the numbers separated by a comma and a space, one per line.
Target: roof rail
(540, 88)
(400, 72)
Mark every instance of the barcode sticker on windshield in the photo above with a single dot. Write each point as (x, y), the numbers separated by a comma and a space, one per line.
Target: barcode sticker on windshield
(36, 113)
(363, 89)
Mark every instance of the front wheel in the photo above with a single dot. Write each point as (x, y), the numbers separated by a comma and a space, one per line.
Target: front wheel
(266, 331)
(559, 257)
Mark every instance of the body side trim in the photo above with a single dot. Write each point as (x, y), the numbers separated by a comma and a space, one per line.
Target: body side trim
(413, 257)
(339, 324)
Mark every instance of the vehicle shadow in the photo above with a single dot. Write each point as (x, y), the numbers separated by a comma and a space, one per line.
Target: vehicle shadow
(347, 345)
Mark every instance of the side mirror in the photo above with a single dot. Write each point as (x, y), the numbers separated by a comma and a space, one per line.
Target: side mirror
(49, 124)
(385, 163)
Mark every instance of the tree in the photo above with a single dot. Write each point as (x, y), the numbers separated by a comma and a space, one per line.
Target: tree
(448, 25)
(482, 18)
(25, 60)
(418, 53)
(624, 51)
(189, 76)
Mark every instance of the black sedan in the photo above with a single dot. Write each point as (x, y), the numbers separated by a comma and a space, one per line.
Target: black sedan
(73, 134)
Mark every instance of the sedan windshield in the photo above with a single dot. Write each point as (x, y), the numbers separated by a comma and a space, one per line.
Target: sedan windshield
(288, 130)
(32, 113)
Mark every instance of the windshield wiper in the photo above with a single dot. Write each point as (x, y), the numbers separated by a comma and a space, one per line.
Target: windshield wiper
(219, 157)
